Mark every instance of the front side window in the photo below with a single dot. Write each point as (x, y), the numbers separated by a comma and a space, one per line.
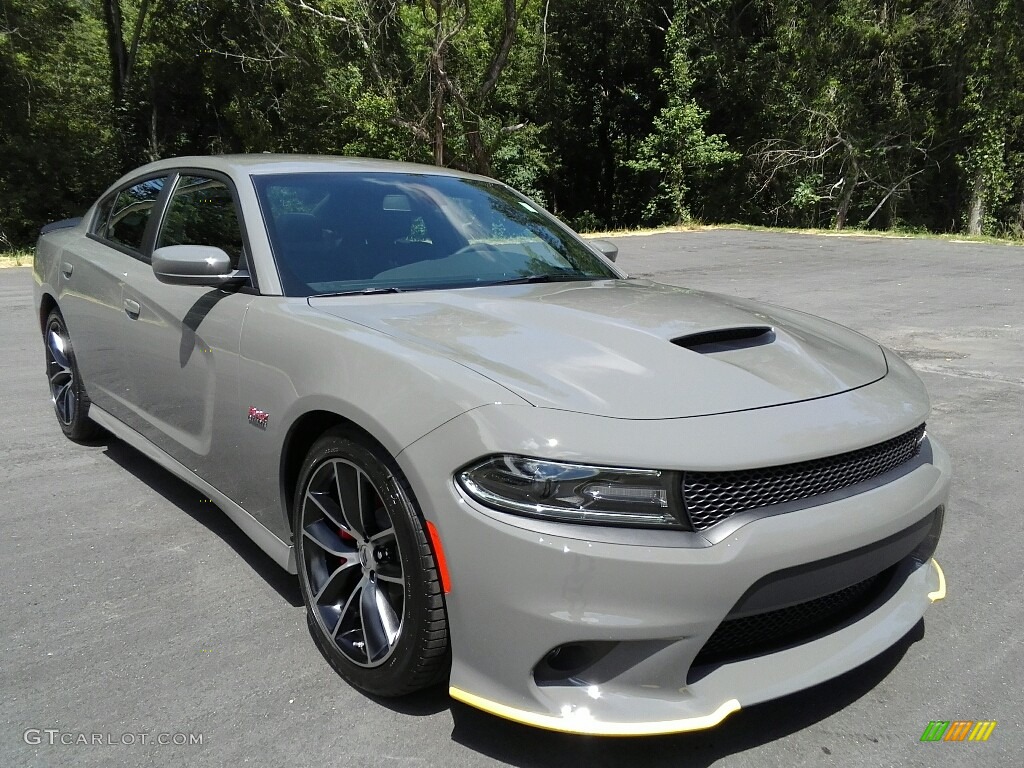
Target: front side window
(126, 222)
(202, 211)
(350, 232)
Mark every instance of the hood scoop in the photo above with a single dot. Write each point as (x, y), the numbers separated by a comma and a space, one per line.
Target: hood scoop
(726, 339)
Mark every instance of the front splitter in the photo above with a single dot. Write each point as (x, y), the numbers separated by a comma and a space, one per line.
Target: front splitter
(579, 720)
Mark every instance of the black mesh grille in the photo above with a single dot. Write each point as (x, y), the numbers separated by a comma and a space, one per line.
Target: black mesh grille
(712, 497)
(765, 632)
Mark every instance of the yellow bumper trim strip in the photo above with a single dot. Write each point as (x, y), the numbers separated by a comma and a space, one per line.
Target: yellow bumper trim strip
(939, 593)
(580, 721)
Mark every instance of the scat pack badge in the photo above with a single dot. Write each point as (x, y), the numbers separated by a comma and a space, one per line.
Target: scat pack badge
(258, 417)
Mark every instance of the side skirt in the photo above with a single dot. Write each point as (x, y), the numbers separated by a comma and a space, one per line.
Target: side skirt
(282, 552)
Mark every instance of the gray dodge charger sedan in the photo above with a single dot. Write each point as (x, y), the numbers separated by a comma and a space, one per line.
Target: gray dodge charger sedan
(585, 502)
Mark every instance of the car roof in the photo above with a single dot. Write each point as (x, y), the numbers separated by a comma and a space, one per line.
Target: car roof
(257, 164)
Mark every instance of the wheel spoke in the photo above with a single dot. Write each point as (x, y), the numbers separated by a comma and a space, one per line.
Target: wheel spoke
(385, 535)
(325, 537)
(328, 507)
(58, 379)
(334, 582)
(374, 621)
(390, 578)
(58, 349)
(389, 616)
(63, 403)
(350, 604)
(351, 492)
(318, 573)
(70, 403)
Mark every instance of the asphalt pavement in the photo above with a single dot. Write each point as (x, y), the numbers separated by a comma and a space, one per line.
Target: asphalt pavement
(132, 612)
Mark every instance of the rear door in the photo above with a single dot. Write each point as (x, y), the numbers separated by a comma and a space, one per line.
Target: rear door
(91, 279)
(182, 344)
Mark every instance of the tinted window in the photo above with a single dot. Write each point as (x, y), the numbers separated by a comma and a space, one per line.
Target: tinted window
(130, 214)
(354, 231)
(202, 212)
(99, 225)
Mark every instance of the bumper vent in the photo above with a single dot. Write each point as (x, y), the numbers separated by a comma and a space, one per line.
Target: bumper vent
(711, 497)
(767, 632)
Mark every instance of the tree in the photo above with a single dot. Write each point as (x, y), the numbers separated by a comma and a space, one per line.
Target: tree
(612, 112)
(54, 134)
(678, 151)
(991, 157)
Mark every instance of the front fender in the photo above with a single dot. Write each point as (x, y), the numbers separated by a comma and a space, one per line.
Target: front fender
(296, 360)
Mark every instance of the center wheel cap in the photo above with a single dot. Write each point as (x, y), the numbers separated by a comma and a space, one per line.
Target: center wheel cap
(365, 557)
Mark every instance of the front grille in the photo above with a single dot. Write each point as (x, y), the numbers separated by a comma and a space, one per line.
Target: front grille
(711, 497)
(766, 632)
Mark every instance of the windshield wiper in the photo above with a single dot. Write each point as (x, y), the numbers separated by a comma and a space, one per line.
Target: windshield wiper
(363, 291)
(546, 278)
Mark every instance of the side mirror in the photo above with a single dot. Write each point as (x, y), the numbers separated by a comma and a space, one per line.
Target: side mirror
(195, 265)
(607, 249)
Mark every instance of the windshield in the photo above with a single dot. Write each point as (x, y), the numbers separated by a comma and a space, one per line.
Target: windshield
(351, 232)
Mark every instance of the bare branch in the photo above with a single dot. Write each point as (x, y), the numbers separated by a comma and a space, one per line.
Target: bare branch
(888, 194)
(544, 33)
(500, 58)
(415, 129)
(322, 14)
(136, 36)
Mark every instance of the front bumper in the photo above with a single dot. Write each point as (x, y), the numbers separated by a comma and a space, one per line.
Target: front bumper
(650, 601)
(829, 662)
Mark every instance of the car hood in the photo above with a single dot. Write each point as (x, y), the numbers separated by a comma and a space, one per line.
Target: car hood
(626, 348)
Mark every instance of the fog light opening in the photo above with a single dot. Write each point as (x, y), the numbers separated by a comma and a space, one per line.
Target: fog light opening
(564, 664)
(566, 658)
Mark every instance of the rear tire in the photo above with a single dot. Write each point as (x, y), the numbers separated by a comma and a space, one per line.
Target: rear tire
(67, 391)
(373, 596)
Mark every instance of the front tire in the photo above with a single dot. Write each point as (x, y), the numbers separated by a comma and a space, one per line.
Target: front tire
(70, 400)
(366, 571)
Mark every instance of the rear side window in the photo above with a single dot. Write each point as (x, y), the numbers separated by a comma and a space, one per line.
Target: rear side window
(202, 212)
(99, 226)
(125, 224)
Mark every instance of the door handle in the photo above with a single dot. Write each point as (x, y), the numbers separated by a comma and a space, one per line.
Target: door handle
(67, 268)
(132, 309)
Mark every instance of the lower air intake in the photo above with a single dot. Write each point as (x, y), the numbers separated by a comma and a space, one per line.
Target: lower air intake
(770, 631)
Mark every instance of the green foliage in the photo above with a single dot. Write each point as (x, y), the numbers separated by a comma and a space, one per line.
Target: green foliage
(613, 113)
(54, 143)
(678, 151)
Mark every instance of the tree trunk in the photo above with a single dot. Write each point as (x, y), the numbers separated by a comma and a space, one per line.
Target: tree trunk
(439, 76)
(844, 201)
(116, 48)
(439, 126)
(977, 210)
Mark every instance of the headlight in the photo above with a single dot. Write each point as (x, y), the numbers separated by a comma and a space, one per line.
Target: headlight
(576, 493)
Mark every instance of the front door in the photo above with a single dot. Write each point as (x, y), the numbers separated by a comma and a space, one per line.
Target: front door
(182, 345)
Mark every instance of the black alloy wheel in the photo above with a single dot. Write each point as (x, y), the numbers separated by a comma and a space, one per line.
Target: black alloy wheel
(368, 576)
(70, 401)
